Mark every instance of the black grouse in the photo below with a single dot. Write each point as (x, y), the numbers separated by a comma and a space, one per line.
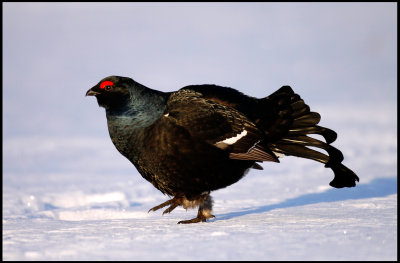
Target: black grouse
(205, 137)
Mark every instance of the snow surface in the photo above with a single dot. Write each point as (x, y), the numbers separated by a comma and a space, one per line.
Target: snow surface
(77, 198)
(69, 195)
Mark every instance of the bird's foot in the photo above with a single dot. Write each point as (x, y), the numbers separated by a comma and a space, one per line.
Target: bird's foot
(173, 203)
(195, 220)
(202, 216)
(204, 202)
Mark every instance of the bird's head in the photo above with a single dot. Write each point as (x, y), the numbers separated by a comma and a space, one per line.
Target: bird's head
(112, 92)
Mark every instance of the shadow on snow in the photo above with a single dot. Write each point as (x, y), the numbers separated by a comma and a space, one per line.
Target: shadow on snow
(376, 188)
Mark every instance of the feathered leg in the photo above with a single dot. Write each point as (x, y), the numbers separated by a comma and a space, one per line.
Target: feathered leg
(204, 212)
(204, 202)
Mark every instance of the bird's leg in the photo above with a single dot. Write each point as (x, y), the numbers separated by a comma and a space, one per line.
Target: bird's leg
(204, 212)
(174, 202)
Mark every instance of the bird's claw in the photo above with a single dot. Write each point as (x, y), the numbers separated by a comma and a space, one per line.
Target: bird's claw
(172, 205)
(198, 219)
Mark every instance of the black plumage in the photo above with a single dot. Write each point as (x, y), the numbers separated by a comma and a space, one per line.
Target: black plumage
(205, 137)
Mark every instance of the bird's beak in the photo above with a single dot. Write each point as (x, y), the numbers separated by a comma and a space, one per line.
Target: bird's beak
(91, 92)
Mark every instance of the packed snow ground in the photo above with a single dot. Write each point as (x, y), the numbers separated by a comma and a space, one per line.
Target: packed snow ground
(77, 199)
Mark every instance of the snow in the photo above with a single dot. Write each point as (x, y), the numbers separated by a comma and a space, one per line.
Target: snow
(76, 198)
(69, 195)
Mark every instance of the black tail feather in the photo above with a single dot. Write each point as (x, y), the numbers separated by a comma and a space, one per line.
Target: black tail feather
(302, 122)
(299, 151)
(344, 177)
(329, 135)
(299, 108)
(309, 119)
(335, 156)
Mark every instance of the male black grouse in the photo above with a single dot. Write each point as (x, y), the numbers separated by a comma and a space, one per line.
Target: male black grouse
(205, 137)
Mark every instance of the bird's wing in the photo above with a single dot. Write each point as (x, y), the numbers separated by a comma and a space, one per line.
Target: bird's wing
(217, 124)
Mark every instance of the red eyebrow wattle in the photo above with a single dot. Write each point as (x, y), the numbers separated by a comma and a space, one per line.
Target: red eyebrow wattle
(106, 83)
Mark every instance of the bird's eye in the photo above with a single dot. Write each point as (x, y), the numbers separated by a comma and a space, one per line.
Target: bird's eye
(107, 85)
